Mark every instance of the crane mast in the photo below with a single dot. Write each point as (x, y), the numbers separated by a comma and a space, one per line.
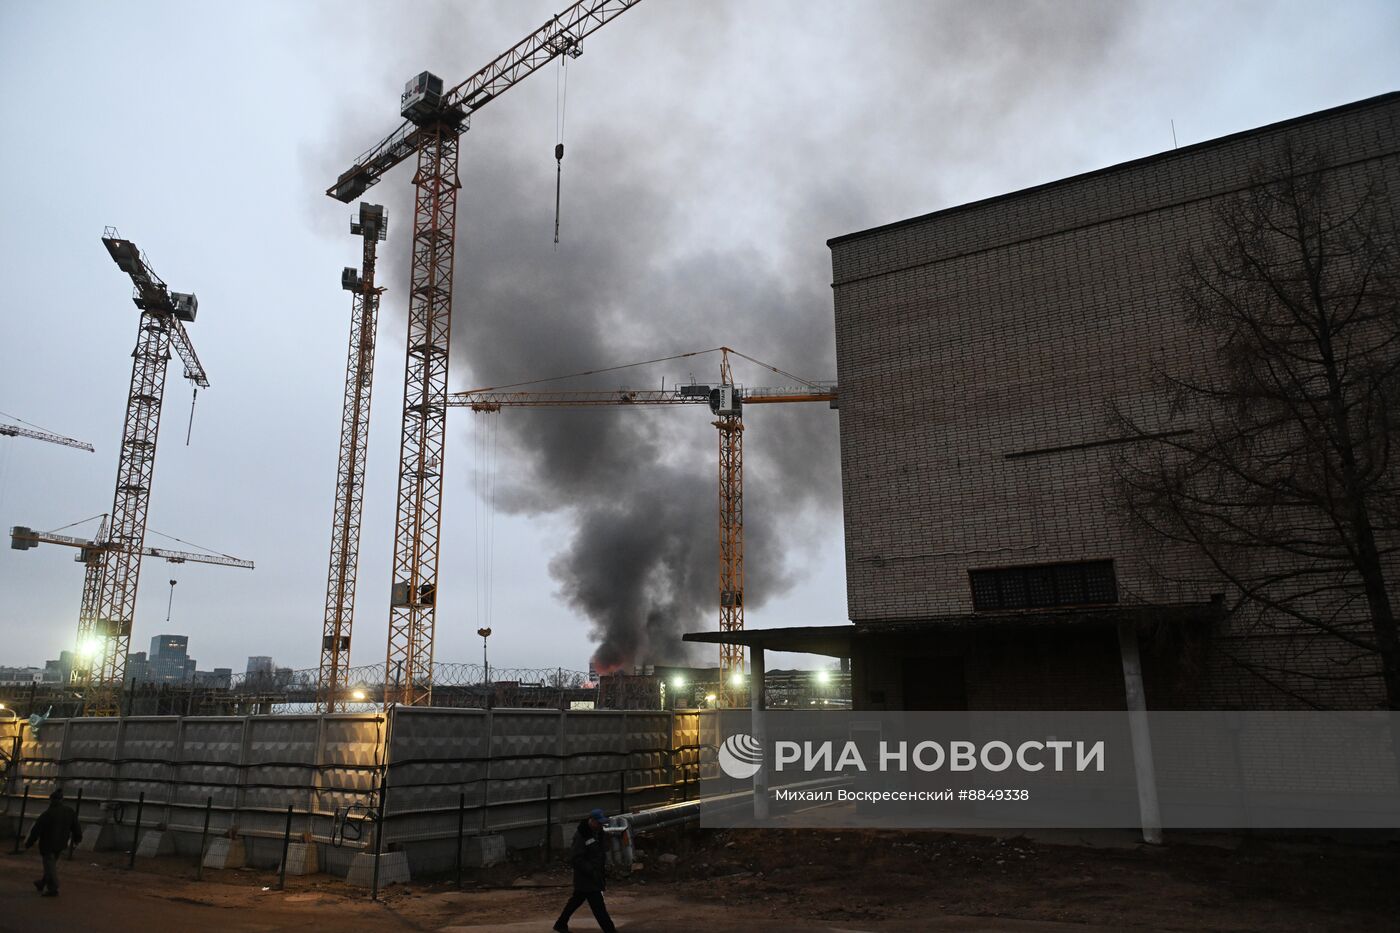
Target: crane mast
(104, 627)
(418, 514)
(372, 227)
(433, 124)
(726, 401)
(731, 530)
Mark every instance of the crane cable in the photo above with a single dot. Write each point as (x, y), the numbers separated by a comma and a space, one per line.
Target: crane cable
(37, 427)
(486, 454)
(198, 547)
(561, 100)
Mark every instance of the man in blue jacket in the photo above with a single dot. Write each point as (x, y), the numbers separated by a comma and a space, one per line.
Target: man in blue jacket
(588, 854)
(55, 828)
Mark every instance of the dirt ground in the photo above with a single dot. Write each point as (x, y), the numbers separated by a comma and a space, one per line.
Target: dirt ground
(772, 880)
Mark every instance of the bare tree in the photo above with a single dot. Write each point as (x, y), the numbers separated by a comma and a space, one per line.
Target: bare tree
(1282, 475)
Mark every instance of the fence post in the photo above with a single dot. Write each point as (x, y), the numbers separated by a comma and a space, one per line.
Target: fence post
(77, 818)
(286, 842)
(390, 714)
(548, 823)
(461, 821)
(486, 767)
(379, 833)
(240, 790)
(176, 752)
(622, 791)
(16, 747)
(136, 834)
(204, 838)
(19, 827)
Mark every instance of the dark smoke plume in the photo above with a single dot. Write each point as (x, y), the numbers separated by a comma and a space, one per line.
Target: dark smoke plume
(639, 486)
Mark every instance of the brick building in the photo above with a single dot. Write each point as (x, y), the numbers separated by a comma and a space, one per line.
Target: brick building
(981, 353)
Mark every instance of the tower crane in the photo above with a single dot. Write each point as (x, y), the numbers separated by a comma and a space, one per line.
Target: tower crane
(371, 226)
(91, 553)
(434, 120)
(726, 402)
(16, 430)
(109, 587)
(23, 538)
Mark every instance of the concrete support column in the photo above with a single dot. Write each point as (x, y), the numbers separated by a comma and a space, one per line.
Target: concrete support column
(1148, 809)
(758, 706)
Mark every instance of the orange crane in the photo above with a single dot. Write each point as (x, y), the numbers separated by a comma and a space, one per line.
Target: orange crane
(109, 590)
(726, 401)
(434, 120)
(16, 430)
(372, 226)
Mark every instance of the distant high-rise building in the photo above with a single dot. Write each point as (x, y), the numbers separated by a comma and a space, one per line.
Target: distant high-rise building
(219, 678)
(59, 670)
(162, 645)
(259, 664)
(137, 668)
(170, 662)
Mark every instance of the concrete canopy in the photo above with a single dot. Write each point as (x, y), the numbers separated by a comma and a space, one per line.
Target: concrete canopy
(837, 640)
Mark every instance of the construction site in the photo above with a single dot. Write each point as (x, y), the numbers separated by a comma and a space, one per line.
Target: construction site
(1127, 670)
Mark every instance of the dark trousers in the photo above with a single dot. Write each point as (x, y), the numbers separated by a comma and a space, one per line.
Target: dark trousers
(595, 903)
(50, 880)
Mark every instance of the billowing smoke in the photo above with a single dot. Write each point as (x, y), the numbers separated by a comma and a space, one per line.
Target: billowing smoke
(639, 485)
(708, 161)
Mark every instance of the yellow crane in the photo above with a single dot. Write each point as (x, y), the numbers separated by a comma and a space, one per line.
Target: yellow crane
(726, 401)
(114, 559)
(433, 121)
(331, 686)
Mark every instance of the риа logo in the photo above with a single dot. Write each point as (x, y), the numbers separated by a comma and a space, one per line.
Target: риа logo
(740, 756)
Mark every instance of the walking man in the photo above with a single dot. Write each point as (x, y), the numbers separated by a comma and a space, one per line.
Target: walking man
(53, 830)
(588, 853)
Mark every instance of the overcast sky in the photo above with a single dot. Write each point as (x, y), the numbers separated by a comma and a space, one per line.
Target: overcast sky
(711, 150)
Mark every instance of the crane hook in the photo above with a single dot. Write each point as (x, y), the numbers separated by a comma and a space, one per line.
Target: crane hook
(190, 429)
(558, 182)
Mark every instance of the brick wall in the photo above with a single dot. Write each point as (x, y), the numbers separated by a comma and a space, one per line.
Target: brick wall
(1022, 323)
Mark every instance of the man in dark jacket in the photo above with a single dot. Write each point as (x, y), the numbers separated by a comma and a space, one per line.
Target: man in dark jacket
(589, 856)
(53, 830)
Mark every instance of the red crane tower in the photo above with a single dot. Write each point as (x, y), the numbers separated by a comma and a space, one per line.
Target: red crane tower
(434, 120)
(726, 402)
(372, 226)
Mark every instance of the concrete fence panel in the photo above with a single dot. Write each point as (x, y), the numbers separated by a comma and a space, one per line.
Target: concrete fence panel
(352, 751)
(209, 764)
(43, 758)
(280, 752)
(148, 749)
(90, 752)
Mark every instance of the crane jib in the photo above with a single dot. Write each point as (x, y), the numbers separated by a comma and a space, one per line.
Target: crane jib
(561, 35)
